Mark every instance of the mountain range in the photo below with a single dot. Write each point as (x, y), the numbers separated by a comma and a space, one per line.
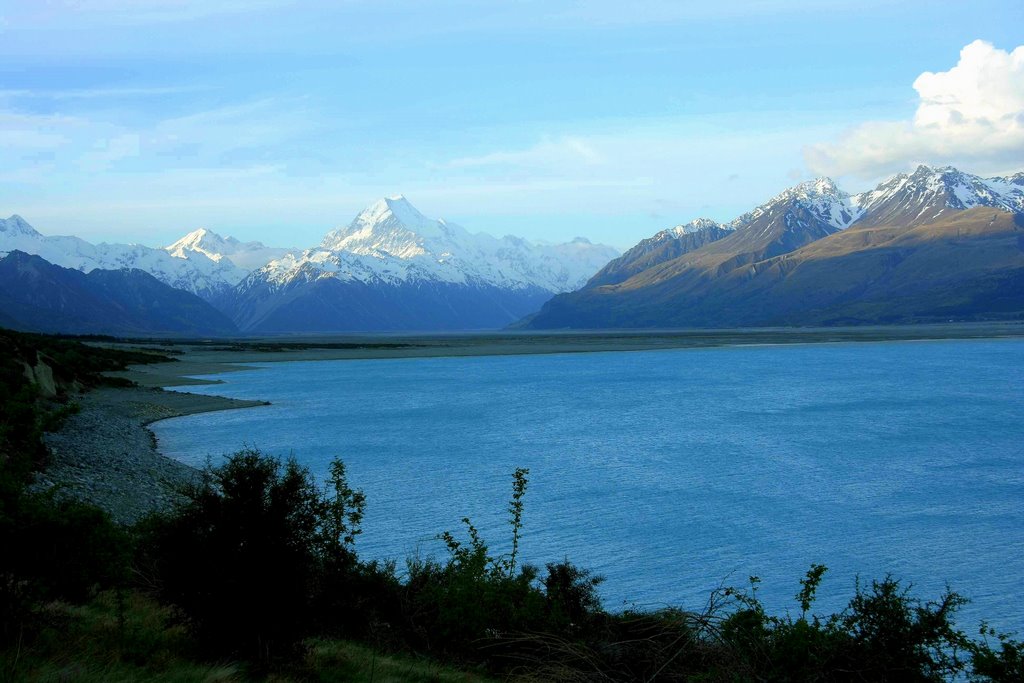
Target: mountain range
(935, 244)
(391, 268)
(181, 265)
(38, 296)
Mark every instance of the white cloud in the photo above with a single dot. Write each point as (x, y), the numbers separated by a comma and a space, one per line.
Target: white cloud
(971, 115)
(108, 151)
(548, 153)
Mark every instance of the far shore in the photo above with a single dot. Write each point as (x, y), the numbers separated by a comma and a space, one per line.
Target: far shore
(196, 358)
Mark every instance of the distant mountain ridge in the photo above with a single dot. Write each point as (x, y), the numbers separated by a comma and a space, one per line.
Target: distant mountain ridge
(191, 270)
(246, 256)
(391, 241)
(663, 246)
(392, 268)
(755, 269)
(931, 193)
(38, 296)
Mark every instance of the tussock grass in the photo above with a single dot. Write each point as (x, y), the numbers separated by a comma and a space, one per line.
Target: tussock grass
(332, 661)
(129, 638)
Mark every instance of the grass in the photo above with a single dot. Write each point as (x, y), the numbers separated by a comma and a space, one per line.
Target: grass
(332, 660)
(129, 638)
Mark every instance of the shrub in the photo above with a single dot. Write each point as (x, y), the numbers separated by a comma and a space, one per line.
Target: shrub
(474, 602)
(246, 553)
(883, 634)
(54, 549)
(571, 598)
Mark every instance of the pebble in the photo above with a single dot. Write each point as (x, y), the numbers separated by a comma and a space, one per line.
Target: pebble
(105, 455)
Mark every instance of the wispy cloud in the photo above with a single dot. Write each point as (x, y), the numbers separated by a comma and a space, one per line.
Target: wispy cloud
(98, 93)
(548, 153)
(614, 12)
(972, 114)
(27, 133)
(126, 12)
(220, 138)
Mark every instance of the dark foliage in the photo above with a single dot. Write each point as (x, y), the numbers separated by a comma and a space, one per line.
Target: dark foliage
(52, 548)
(260, 558)
(247, 553)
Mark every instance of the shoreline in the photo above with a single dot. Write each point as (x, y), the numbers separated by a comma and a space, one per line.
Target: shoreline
(196, 359)
(106, 455)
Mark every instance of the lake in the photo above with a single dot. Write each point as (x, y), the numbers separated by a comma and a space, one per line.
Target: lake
(673, 472)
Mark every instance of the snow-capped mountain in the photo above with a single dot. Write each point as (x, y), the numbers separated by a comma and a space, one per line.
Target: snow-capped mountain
(933, 244)
(248, 256)
(930, 193)
(454, 278)
(38, 296)
(202, 262)
(815, 209)
(694, 226)
(199, 275)
(820, 198)
(391, 242)
(663, 246)
(390, 268)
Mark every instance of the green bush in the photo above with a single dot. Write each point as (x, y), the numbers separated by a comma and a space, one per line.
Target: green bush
(51, 548)
(1004, 662)
(473, 599)
(54, 549)
(245, 555)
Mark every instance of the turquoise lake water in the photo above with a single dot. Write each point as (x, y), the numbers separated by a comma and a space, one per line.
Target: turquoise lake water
(674, 472)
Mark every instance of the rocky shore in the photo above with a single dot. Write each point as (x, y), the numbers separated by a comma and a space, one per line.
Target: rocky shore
(105, 455)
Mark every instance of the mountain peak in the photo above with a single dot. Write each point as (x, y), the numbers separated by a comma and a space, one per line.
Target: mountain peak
(390, 225)
(16, 225)
(395, 205)
(696, 225)
(817, 187)
(202, 241)
(932, 191)
(233, 256)
(926, 170)
(197, 236)
(819, 196)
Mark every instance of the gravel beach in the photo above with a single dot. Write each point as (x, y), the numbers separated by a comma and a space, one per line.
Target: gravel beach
(105, 455)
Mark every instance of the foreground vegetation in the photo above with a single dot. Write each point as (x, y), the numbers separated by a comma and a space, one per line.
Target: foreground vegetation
(256, 576)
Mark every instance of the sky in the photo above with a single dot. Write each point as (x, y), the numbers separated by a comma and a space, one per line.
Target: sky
(276, 120)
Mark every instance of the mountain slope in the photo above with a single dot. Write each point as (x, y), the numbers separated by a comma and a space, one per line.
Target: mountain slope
(664, 246)
(788, 221)
(965, 265)
(246, 256)
(931, 193)
(38, 296)
(198, 274)
(815, 255)
(394, 242)
(392, 268)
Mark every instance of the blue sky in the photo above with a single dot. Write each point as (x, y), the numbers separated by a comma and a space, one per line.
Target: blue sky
(266, 119)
